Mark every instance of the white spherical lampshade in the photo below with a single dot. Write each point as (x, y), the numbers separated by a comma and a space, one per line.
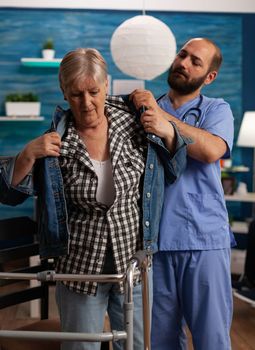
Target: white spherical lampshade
(143, 47)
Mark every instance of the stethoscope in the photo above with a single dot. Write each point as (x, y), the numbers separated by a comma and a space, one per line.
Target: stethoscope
(193, 115)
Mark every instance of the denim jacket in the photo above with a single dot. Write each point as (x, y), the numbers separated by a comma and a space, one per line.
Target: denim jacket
(46, 182)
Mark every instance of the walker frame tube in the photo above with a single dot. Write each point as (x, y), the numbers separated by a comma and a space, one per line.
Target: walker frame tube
(139, 260)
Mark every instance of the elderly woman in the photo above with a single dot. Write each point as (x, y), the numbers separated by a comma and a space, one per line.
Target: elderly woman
(87, 171)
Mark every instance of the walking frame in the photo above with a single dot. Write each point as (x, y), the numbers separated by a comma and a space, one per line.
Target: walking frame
(138, 265)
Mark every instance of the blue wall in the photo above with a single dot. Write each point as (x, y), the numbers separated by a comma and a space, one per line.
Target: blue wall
(23, 32)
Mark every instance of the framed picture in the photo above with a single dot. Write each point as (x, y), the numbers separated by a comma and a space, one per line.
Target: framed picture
(228, 184)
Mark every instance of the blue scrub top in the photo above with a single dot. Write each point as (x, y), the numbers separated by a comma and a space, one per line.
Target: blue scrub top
(194, 213)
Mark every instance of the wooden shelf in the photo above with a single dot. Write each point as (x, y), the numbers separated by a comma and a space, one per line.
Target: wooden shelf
(21, 119)
(236, 169)
(248, 197)
(239, 227)
(41, 62)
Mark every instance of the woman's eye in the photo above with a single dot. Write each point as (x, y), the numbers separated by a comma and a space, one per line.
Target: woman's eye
(73, 95)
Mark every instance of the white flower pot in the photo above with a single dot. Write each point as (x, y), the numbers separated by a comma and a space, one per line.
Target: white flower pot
(48, 54)
(22, 108)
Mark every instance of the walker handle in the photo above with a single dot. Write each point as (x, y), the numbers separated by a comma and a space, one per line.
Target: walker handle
(140, 256)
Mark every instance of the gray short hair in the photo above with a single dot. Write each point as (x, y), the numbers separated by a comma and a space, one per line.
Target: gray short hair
(82, 63)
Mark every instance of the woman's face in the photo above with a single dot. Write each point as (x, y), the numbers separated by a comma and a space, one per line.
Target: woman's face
(87, 100)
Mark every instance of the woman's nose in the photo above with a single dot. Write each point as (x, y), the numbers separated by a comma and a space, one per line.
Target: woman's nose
(85, 99)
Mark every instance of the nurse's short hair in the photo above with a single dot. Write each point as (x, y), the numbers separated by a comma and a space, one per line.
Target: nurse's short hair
(80, 64)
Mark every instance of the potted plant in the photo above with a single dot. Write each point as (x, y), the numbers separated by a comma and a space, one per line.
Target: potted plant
(48, 51)
(22, 104)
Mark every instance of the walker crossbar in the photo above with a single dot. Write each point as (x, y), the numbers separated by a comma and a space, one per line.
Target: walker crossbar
(51, 276)
(139, 261)
(65, 336)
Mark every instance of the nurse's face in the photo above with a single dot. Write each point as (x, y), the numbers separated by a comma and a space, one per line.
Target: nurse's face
(191, 67)
(87, 100)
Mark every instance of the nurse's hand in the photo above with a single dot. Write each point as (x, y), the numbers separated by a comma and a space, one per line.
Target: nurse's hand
(145, 98)
(154, 119)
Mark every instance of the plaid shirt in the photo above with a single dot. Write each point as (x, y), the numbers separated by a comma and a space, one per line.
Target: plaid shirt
(93, 225)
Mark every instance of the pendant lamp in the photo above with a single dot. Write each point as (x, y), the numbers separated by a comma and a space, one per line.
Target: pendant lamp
(143, 47)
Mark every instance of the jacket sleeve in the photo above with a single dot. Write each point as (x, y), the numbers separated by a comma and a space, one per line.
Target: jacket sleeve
(9, 194)
(174, 164)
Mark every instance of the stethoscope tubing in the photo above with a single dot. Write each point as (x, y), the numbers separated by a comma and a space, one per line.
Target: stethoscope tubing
(194, 111)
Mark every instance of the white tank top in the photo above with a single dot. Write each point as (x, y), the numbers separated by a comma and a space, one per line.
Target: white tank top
(105, 187)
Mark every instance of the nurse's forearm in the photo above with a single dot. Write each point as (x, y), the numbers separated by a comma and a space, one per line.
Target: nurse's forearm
(206, 148)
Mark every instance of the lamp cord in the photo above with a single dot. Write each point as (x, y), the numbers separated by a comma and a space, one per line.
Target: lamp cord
(143, 7)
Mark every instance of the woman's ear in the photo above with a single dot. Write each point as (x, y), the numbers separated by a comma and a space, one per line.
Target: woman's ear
(63, 92)
(106, 85)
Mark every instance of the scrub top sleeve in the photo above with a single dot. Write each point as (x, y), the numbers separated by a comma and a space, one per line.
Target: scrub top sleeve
(219, 121)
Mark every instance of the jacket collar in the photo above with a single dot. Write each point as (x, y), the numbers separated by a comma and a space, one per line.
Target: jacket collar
(60, 116)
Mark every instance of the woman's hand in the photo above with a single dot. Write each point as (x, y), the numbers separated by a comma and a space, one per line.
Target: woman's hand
(43, 146)
(46, 145)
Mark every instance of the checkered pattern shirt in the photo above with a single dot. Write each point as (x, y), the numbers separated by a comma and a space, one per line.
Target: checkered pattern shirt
(93, 226)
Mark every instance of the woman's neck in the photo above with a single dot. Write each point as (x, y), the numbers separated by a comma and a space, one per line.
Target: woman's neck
(93, 132)
(96, 140)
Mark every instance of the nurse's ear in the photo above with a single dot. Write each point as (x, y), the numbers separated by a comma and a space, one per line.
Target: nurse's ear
(211, 76)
